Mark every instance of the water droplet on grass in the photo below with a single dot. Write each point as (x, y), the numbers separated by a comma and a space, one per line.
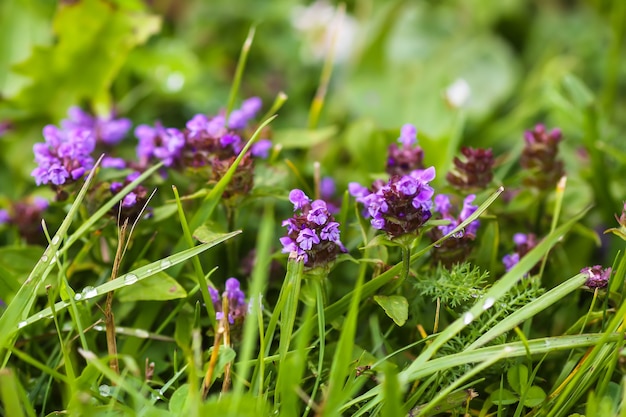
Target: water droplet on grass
(166, 263)
(89, 292)
(78, 296)
(130, 279)
(21, 324)
(468, 317)
(55, 240)
(489, 302)
(44, 258)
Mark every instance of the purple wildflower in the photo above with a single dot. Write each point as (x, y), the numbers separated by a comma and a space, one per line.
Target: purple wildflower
(403, 159)
(239, 118)
(261, 149)
(597, 277)
(109, 130)
(111, 162)
(524, 243)
(457, 248)
(540, 157)
(64, 156)
(133, 203)
(159, 142)
(312, 232)
(237, 306)
(475, 172)
(400, 206)
(26, 216)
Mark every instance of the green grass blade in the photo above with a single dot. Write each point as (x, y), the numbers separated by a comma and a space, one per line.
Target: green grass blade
(530, 310)
(241, 65)
(132, 277)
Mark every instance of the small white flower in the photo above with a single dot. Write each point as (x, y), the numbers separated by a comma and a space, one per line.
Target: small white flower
(458, 93)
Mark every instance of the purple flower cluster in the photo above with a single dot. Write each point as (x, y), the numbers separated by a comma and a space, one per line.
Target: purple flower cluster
(444, 208)
(203, 140)
(474, 172)
(26, 216)
(401, 160)
(540, 157)
(457, 248)
(524, 243)
(400, 206)
(237, 306)
(597, 277)
(312, 232)
(109, 130)
(65, 154)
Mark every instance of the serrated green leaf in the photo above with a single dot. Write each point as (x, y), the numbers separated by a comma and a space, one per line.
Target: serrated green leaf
(94, 38)
(395, 306)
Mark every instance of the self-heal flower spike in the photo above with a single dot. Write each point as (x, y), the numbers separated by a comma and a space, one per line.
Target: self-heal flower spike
(406, 157)
(458, 247)
(540, 157)
(237, 306)
(597, 277)
(26, 216)
(475, 172)
(64, 156)
(159, 142)
(312, 232)
(400, 206)
(107, 130)
(133, 203)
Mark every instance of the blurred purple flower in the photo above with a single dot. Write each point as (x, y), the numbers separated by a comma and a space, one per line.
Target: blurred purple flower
(475, 172)
(597, 277)
(237, 307)
(403, 159)
(159, 142)
(261, 149)
(524, 243)
(109, 130)
(64, 156)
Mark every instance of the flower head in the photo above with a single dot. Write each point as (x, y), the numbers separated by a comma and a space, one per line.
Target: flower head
(400, 206)
(597, 277)
(159, 142)
(312, 232)
(524, 243)
(401, 160)
(237, 306)
(458, 247)
(475, 172)
(64, 156)
(540, 157)
(133, 203)
(26, 216)
(107, 130)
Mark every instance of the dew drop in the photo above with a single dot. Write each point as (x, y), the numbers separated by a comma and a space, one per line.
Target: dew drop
(130, 279)
(44, 258)
(55, 240)
(105, 390)
(166, 263)
(89, 292)
(468, 317)
(489, 302)
(21, 324)
(78, 296)
(40, 316)
(142, 333)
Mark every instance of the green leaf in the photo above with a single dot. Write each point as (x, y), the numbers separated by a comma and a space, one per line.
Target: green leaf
(534, 396)
(395, 306)
(94, 38)
(225, 355)
(517, 377)
(204, 234)
(159, 286)
(178, 399)
(503, 396)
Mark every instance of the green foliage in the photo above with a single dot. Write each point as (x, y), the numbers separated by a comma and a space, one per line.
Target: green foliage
(384, 330)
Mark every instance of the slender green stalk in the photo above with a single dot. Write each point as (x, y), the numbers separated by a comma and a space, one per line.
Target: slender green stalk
(241, 65)
(321, 330)
(195, 261)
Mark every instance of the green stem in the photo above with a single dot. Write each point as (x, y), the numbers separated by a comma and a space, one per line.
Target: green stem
(318, 283)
